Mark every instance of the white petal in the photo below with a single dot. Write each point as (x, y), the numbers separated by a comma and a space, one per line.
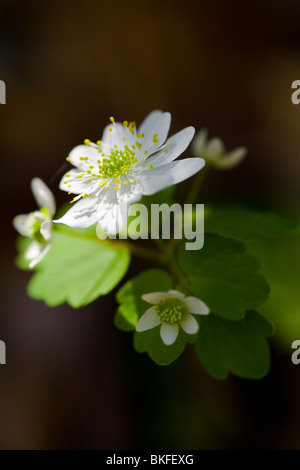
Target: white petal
(83, 151)
(20, 224)
(43, 195)
(183, 169)
(232, 159)
(215, 148)
(189, 324)
(82, 214)
(176, 293)
(150, 122)
(46, 229)
(199, 143)
(33, 251)
(176, 145)
(152, 182)
(158, 123)
(77, 185)
(119, 135)
(156, 297)
(149, 320)
(169, 333)
(113, 217)
(39, 216)
(173, 172)
(129, 193)
(41, 256)
(196, 306)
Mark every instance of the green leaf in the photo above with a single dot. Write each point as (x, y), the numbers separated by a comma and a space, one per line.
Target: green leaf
(151, 342)
(239, 347)
(224, 276)
(78, 269)
(281, 266)
(241, 224)
(133, 307)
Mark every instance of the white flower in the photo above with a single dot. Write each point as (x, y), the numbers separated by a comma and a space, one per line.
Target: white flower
(171, 309)
(214, 151)
(37, 225)
(126, 164)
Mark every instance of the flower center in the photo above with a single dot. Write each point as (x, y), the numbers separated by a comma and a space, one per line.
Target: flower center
(171, 310)
(117, 163)
(34, 225)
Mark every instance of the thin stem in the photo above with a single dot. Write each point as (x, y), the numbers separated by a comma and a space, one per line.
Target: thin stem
(198, 180)
(177, 275)
(191, 198)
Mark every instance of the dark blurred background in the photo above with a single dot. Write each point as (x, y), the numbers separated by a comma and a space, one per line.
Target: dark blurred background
(72, 380)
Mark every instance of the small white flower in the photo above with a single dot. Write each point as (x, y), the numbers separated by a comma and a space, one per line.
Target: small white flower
(37, 225)
(126, 164)
(171, 309)
(214, 152)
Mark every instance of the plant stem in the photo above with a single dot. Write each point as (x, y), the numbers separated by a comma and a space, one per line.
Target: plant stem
(191, 198)
(198, 180)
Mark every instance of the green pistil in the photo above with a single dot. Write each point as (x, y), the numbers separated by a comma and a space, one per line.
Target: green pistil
(34, 226)
(117, 163)
(171, 310)
(45, 211)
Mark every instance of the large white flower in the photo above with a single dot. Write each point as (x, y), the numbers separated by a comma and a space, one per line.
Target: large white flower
(171, 309)
(214, 152)
(126, 164)
(37, 225)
